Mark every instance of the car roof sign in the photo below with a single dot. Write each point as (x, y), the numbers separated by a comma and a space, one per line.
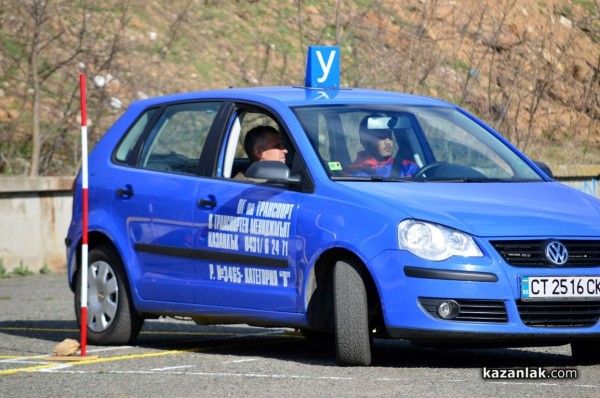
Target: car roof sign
(323, 67)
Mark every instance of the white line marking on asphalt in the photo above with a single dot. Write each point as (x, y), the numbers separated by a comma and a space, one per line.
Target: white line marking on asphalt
(292, 376)
(241, 360)
(59, 366)
(543, 384)
(122, 347)
(172, 367)
(24, 361)
(211, 374)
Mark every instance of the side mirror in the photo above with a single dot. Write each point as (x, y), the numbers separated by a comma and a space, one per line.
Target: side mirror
(273, 172)
(545, 168)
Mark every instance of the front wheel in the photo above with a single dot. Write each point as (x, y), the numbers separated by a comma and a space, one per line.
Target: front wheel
(111, 318)
(352, 334)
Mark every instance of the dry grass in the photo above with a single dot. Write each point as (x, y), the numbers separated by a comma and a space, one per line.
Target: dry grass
(529, 69)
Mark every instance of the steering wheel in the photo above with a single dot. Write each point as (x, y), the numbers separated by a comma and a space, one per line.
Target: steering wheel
(447, 171)
(431, 168)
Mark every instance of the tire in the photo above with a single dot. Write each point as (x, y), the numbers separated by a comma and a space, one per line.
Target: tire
(111, 318)
(586, 352)
(352, 334)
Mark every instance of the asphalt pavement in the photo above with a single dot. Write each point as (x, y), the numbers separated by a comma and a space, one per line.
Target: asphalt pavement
(175, 357)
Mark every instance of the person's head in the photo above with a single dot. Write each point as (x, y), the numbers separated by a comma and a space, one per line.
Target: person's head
(376, 137)
(264, 143)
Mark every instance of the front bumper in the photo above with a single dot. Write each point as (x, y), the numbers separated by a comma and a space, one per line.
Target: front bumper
(489, 296)
(487, 339)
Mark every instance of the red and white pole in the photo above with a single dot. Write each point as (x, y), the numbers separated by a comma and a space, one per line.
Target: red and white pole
(84, 187)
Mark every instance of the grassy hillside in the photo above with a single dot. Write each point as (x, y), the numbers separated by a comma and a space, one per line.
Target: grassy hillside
(529, 69)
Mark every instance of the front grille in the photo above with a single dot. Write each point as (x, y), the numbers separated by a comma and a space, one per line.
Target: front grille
(488, 311)
(530, 253)
(559, 313)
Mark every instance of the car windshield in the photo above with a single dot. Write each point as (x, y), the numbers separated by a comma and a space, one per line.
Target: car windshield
(378, 143)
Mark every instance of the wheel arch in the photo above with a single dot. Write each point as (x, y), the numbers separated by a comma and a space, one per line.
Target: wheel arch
(112, 316)
(95, 239)
(319, 290)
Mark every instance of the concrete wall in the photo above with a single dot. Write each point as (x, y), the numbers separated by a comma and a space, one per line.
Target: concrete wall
(34, 217)
(35, 214)
(583, 178)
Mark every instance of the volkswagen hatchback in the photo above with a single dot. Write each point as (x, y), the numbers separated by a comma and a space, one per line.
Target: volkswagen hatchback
(477, 245)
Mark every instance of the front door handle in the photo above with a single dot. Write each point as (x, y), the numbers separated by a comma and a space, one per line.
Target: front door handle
(125, 192)
(208, 203)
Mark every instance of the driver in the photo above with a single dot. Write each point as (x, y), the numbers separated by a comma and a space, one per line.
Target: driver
(262, 143)
(376, 158)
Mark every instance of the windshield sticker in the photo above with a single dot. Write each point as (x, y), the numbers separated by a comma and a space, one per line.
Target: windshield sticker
(334, 166)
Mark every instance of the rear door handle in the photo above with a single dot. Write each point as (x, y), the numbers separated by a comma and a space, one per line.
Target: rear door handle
(208, 203)
(125, 192)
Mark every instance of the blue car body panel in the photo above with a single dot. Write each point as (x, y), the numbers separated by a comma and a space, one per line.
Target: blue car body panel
(494, 209)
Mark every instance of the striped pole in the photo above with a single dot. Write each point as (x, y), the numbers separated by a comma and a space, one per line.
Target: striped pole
(84, 187)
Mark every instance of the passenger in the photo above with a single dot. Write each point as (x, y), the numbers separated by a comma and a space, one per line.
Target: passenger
(376, 159)
(262, 143)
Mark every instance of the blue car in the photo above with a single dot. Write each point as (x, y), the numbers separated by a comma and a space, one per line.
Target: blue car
(388, 216)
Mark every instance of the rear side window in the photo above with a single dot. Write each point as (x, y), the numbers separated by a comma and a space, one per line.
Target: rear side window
(174, 143)
(128, 144)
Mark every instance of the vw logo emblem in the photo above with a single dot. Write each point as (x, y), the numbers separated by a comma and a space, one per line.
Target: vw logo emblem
(556, 253)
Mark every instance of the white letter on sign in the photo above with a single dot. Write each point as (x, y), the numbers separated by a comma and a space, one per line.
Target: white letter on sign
(327, 67)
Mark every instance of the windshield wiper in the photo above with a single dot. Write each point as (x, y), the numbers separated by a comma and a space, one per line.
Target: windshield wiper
(464, 179)
(370, 178)
(452, 180)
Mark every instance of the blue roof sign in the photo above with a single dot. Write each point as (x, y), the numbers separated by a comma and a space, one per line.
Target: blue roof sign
(323, 67)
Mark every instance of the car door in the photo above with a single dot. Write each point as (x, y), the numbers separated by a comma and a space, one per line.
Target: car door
(245, 240)
(155, 200)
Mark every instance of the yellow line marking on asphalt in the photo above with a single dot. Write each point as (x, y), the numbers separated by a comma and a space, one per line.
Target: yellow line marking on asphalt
(124, 358)
(27, 369)
(95, 360)
(69, 358)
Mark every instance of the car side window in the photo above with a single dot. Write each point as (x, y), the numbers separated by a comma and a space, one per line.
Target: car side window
(127, 145)
(176, 140)
(236, 160)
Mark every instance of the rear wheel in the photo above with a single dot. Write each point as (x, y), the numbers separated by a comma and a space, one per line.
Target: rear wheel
(586, 352)
(352, 335)
(111, 318)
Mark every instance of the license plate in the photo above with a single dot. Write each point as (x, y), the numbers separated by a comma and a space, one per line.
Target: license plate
(562, 287)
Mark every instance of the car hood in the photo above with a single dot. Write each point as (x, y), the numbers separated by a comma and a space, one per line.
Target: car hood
(493, 209)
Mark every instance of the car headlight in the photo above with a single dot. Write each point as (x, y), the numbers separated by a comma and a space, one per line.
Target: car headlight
(435, 242)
